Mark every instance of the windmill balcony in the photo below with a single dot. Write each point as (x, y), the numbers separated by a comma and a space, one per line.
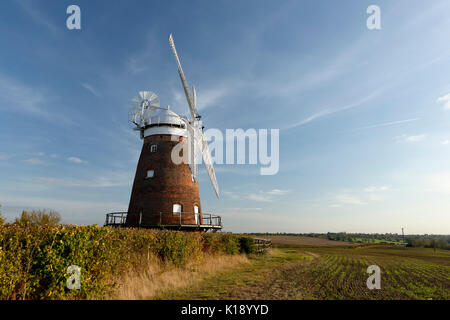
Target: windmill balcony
(172, 221)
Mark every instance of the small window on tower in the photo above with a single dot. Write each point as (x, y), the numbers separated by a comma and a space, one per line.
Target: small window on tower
(154, 148)
(150, 174)
(177, 208)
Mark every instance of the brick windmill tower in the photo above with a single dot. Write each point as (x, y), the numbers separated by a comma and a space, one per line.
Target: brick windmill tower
(165, 191)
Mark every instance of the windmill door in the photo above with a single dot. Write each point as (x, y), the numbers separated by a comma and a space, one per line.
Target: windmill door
(196, 214)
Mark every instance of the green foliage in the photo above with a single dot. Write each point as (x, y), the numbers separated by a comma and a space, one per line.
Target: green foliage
(2, 220)
(221, 243)
(247, 245)
(34, 259)
(39, 218)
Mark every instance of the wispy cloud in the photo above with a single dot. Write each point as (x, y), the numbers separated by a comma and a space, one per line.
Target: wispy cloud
(413, 138)
(101, 182)
(329, 111)
(35, 161)
(445, 100)
(31, 8)
(75, 160)
(91, 89)
(348, 199)
(18, 97)
(386, 124)
(376, 188)
(260, 196)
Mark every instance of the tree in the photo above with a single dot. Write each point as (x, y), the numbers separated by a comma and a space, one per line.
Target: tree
(39, 218)
(2, 220)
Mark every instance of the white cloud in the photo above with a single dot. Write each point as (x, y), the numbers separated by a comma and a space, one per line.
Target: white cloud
(35, 161)
(414, 138)
(261, 196)
(100, 182)
(75, 160)
(376, 188)
(445, 100)
(277, 192)
(349, 199)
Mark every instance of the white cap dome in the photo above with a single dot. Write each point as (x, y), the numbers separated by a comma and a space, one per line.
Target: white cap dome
(163, 121)
(163, 116)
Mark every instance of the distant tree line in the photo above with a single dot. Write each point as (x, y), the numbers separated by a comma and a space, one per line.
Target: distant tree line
(36, 217)
(410, 240)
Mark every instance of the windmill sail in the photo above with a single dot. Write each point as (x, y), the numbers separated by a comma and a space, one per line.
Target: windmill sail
(183, 78)
(206, 155)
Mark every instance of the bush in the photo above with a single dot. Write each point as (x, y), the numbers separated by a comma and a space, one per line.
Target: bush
(34, 259)
(221, 243)
(2, 220)
(247, 245)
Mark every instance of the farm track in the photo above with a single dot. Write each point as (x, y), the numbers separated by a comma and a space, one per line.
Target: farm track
(331, 273)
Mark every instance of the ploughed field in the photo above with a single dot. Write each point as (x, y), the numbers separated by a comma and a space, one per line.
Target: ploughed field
(308, 272)
(304, 241)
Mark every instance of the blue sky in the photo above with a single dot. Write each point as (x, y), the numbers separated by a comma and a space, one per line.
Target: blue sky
(364, 116)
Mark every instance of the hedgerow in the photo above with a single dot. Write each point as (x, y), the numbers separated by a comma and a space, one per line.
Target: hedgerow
(34, 259)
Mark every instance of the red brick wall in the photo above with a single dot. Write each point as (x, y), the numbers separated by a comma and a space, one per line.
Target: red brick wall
(171, 184)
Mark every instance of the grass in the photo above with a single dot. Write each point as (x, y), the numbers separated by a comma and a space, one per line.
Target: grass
(231, 284)
(154, 277)
(328, 273)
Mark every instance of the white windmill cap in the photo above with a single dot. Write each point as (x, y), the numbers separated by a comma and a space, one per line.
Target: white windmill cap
(166, 116)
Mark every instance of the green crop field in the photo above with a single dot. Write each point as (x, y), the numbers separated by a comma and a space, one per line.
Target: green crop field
(331, 273)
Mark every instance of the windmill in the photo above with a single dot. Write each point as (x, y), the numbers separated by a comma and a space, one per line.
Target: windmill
(166, 194)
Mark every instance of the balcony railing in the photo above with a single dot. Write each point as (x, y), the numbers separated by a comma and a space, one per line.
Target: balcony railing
(185, 220)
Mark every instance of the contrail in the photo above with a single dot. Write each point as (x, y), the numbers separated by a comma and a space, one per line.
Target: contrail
(388, 124)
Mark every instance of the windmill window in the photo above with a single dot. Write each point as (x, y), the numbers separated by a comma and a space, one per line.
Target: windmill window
(154, 148)
(177, 208)
(150, 174)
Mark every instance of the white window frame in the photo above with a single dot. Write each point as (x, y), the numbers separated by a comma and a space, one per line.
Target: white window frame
(177, 208)
(196, 214)
(154, 148)
(152, 174)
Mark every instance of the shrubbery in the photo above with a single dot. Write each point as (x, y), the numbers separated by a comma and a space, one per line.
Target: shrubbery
(34, 259)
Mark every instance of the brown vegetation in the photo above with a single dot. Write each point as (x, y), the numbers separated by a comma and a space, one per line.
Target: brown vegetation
(153, 278)
(304, 241)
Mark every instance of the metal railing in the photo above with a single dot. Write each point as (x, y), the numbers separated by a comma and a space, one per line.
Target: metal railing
(162, 219)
